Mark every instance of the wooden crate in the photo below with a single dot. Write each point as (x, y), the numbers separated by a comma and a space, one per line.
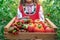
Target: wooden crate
(31, 35)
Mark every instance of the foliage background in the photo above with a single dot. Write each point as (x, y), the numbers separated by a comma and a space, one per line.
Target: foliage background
(8, 9)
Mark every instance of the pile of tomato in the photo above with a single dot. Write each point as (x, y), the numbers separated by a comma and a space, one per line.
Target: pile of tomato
(28, 25)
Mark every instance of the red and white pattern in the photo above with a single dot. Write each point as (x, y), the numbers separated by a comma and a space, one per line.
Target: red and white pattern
(41, 16)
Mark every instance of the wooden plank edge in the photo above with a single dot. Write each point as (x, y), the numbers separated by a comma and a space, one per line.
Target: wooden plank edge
(33, 33)
(9, 24)
(52, 24)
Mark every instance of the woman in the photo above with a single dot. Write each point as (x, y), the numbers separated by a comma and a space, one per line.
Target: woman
(31, 9)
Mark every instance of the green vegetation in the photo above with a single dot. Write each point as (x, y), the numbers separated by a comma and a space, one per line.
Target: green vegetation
(8, 9)
(52, 11)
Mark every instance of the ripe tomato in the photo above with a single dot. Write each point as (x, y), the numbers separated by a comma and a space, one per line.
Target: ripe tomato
(31, 27)
(37, 21)
(39, 28)
(44, 25)
(48, 29)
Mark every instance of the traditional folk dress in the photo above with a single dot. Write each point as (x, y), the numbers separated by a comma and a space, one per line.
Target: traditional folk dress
(31, 10)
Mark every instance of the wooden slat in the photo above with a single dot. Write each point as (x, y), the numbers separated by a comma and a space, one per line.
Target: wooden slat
(51, 24)
(36, 33)
(9, 24)
(33, 35)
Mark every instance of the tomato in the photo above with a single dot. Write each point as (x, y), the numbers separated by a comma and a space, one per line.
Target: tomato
(16, 33)
(25, 26)
(31, 21)
(39, 28)
(22, 21)
(48, 29)
(17, 20)
(31, 27)
(19, 23)
(27, 21)
(44, 25)
(37, 21)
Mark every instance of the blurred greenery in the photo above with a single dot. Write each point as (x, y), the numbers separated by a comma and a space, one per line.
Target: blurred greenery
(8, 9)
(52, 11)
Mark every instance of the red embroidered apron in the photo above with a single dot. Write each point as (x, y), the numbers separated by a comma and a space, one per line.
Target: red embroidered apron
(34, 15)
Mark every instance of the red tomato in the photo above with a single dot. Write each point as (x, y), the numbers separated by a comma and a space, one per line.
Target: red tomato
(31, 27)
(31, 21)
(22, 21)
(48, 29)
(16, 33)
(38, 28)
(37, 21)
(43, 24)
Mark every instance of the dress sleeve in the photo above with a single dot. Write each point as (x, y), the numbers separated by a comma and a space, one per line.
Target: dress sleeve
(19, 14)
(41, 16)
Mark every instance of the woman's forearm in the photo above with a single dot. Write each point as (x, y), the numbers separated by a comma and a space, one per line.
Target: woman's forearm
(19, 14)
(41, 16)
